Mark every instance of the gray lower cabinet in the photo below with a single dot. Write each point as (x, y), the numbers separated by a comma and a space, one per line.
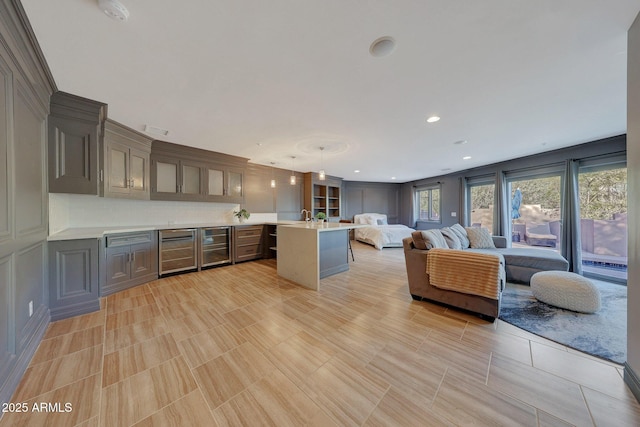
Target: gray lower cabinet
(73, 277)
(247, 242)
(131, 259)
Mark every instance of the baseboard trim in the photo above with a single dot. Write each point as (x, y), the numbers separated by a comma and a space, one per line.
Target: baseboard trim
(22, 360)
(632, 380)
(75, 310)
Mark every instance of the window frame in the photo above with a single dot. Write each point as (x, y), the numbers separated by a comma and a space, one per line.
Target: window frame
(430, 210)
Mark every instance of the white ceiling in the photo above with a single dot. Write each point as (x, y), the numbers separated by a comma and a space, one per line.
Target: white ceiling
(273, 79)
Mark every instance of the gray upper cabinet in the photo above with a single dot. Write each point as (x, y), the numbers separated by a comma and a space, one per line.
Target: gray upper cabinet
(73, 154)
(90, 154)
(186, 173)
(224, 184)
(175, 179)
(127, 162)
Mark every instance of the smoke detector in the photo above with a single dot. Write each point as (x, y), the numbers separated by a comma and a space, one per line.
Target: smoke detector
(114, 9)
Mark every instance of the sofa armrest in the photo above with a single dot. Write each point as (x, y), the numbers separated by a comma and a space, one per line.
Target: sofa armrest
(499, 241)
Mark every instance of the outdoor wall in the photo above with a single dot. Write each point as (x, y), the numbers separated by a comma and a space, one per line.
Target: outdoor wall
(632, 370)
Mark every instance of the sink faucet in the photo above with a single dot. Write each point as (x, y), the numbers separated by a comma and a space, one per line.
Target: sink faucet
(307, 214)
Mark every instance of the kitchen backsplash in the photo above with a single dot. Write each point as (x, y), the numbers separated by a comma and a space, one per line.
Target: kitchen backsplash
(74, 210)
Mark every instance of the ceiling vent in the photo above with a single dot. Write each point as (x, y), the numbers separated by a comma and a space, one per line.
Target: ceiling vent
(114, 10)
(156, 130)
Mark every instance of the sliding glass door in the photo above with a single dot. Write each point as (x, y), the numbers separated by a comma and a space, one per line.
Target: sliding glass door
(535, 211)
(603, 220)
(481, 198)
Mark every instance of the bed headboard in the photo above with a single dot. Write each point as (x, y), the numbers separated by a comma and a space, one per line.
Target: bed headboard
(370, 219)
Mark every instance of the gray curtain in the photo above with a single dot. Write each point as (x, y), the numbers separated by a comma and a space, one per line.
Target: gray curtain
(570, 232)
(501, 210)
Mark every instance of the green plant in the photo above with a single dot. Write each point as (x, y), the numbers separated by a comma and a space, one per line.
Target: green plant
(242, 213)
(321, 215)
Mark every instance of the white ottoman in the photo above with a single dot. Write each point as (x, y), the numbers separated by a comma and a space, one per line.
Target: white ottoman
(566, 290)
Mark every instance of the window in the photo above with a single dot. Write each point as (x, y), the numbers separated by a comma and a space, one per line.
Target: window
(603, 220)
(480, 207)
(428, 202)
(535, 211)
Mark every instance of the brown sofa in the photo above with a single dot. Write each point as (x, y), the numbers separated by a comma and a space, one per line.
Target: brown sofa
(421, 287)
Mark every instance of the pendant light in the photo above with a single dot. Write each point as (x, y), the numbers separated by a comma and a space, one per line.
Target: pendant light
(273, 180)
(292, 178)
(321, 174)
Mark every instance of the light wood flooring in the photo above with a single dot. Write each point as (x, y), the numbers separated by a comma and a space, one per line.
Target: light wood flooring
(237, 345)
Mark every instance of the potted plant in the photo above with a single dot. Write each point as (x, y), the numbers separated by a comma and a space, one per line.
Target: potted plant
(242, 214)
(321, 216)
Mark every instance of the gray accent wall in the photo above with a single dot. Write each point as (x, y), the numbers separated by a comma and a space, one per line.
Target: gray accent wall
(25, 88)
(371, 197)
(632, 368)
(285, 199)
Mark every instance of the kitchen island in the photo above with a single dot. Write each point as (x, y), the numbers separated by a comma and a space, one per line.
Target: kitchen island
(308, 252)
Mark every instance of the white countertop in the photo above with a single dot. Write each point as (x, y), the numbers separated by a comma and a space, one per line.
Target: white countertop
(99, 232)
(326, 226)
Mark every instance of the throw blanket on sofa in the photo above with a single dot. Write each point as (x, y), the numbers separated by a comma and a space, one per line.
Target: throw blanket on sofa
(462, 271)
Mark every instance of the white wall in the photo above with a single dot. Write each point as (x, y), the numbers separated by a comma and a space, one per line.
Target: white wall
(633, 170)
(73, 210)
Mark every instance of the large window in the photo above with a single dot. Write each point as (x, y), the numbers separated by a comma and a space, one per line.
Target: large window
(481, 198)
(428, 202)
(603, 220)
(535, 211)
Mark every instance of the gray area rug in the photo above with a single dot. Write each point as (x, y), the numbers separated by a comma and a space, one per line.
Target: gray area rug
(602, 334)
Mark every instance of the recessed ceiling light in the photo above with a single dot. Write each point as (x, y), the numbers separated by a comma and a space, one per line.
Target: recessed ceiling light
(433, 119)
(445, 169)
(356, 171)
(382, 47)
(461, 142)
(466, 157)
(393, 177)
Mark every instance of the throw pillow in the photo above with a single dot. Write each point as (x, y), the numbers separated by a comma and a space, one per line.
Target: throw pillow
(451, 238)
(479, 238)
(382, 222)
(462, 235)
(429, 239)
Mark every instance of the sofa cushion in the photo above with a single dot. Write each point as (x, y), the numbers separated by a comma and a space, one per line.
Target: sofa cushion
(451, 237)
(538, 259)
(429, 239)
(479, 238)
(462, 235)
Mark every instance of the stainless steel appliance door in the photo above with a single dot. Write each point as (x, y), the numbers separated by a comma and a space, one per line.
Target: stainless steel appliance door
(177, 250)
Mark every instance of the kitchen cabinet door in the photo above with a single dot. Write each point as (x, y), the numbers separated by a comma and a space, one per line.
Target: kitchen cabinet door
(131, 259)
(118, 265)
(73, 156)
(117, 167)
(139, 173)
(141, 259)
(223, 185)
(73, 277)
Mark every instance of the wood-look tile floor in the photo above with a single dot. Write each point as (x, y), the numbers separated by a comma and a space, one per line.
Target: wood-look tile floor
(237, 345)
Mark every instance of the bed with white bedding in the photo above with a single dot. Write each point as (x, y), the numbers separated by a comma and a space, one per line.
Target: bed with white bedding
(379, 233)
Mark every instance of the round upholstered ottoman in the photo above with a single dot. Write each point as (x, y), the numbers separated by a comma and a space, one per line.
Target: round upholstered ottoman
(566, 290)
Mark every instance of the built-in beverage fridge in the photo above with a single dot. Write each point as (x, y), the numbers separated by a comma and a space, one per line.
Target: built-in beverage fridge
(215, 246)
